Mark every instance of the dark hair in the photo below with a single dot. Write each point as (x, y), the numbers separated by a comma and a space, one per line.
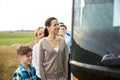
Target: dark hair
(47, 24)
(62, 25)
(23, 50)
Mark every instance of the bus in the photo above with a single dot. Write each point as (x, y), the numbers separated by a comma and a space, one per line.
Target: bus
(95, 33)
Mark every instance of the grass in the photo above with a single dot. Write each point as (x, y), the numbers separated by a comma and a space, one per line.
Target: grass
(8, 62)
(8, 38)
(8, 44)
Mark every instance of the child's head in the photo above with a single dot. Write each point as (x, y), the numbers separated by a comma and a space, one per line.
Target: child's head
(63, 28)
(24, 53)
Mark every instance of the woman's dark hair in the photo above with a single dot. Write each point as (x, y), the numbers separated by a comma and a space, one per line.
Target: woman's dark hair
(46, 33)
(48, 23)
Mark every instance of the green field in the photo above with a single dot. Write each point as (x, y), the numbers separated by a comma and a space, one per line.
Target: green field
(8, 38)
(9, 41)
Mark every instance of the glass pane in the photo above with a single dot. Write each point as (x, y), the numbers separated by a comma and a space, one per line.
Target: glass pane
(93, 32)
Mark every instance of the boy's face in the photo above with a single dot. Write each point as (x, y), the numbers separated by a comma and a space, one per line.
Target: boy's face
(61, 33)
(63, 29)
(26, 59)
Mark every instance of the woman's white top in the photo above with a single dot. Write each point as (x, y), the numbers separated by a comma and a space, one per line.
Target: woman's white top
(35, 57)
(56, 49)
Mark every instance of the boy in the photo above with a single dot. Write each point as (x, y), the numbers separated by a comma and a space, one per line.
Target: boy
(25, 71)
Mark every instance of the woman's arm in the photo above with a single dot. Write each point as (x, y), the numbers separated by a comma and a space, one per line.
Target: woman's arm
(66, 62)
(41, 58)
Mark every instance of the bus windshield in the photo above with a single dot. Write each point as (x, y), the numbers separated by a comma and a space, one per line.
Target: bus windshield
(96, 30)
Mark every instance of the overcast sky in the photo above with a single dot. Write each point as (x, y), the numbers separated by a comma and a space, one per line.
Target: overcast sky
(29, 14)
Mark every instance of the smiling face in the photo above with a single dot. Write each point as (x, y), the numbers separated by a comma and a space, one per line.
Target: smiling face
(26, 59)
(53, 28)
(40, 33)
(63, 29)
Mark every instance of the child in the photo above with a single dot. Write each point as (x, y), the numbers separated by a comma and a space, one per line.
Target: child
(25, 71)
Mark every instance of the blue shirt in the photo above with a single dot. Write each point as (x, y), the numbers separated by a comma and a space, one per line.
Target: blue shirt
(22, 74)
(68, 40)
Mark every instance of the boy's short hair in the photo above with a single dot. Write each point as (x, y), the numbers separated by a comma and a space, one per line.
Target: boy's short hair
(23, 50)
(62, 25)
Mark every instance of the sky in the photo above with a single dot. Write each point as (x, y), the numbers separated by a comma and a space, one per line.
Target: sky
(29, 14)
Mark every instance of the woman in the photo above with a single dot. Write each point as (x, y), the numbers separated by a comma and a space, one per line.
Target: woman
(39, 34)
(53, 53)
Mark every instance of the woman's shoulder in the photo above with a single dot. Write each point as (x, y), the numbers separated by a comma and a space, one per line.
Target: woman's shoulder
(61, 39)
(36, 45)
(42, 40)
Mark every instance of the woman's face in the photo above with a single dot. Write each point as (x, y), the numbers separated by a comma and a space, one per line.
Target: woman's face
(53, 28)
(40, 33)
